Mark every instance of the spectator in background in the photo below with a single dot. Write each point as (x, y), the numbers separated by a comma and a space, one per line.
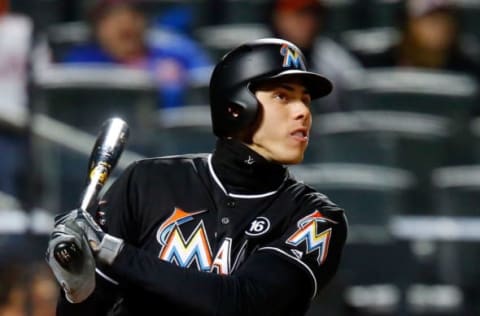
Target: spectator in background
(15, 39)
(171, 31)
(120, 31)
(302, 22)
(430, 39)
(27, 287)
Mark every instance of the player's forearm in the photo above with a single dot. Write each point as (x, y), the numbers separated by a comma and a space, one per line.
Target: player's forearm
(211, 294)
(188, 289)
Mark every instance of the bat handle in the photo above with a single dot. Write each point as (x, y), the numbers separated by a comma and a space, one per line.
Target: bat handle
(106, 152)
(68, 254)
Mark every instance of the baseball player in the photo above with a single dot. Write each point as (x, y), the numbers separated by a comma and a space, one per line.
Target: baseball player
(227, 233)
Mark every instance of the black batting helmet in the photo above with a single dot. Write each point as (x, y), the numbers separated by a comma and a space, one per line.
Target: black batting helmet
(233, 103)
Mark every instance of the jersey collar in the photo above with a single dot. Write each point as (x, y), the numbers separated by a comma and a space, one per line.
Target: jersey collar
(237, 195)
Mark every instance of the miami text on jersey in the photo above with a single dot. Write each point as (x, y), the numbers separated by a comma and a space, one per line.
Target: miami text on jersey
(194, 249)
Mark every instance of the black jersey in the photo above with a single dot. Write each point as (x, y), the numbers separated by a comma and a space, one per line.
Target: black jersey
(194, 247)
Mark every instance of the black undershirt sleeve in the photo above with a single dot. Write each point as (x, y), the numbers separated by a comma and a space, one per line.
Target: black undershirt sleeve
(266, 284)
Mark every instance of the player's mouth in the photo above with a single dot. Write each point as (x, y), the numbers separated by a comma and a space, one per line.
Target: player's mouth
(300, 134)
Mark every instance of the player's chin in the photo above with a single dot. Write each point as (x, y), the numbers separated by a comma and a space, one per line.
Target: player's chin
(292, 157)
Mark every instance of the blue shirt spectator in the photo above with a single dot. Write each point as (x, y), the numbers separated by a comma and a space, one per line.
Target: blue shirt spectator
(172, 58)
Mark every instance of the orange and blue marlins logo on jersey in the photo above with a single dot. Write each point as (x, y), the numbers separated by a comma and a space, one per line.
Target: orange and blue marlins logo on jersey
(308, 232)
(292, 57)
(184, 251)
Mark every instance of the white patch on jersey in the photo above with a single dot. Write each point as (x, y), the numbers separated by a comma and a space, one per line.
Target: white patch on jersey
(297, 253)
(258, 226)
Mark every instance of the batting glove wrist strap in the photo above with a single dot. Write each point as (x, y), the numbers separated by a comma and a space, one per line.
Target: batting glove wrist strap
(109, 249)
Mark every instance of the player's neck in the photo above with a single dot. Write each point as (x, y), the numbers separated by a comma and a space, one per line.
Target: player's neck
(243, 171)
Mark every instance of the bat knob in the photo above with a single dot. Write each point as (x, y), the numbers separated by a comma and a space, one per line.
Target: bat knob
(68, 256)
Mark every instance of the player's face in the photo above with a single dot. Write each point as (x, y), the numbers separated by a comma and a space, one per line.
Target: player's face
(285, 121)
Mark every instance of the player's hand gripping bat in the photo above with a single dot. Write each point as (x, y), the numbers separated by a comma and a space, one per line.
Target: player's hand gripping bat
(105, 154)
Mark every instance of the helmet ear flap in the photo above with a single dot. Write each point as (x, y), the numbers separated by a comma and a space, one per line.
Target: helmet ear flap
(243, 107)
(239, 113)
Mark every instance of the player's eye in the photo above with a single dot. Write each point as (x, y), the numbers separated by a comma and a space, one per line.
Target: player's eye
(280, 96)
(307, 100)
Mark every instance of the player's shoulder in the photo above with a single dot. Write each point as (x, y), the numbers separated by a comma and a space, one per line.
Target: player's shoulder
(170, 161)
(309, 198)
(168, 165)
(307, 194)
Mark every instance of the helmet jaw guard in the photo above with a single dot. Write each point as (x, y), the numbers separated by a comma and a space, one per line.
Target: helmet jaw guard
(234, 106)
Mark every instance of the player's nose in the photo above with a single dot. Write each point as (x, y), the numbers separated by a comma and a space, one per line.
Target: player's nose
(301, 110)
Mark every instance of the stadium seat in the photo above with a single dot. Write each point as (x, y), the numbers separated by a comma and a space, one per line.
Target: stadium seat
(245, 11)
(371, 195)
(183, 130)
(373, 13)
(197, 94)
(340, 16)
(452, 95)
(458, 263)
(373, 136)
(59, 38)
(85, 97)
(372, 278)
(219, 39)
(47, 12)
(384, 13)
(448, 245)
(456, 190)
(471, 142)
(412, 141)
(468, 17)
(368, 41)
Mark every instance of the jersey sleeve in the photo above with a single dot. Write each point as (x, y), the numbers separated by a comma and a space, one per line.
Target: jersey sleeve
(263, 278)
(314, 241)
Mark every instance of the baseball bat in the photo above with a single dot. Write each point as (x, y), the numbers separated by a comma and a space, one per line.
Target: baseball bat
(105, 154)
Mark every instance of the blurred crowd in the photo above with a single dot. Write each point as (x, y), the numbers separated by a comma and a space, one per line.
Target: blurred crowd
(56, 58)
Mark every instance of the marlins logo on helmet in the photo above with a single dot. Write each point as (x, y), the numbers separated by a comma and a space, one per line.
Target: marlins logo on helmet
(291, 57)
